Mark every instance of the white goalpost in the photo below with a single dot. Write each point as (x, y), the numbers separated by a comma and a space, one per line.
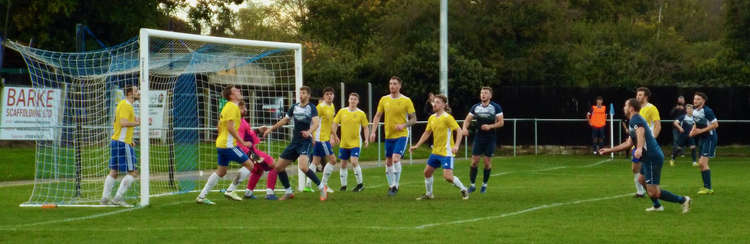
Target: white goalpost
(180, 77)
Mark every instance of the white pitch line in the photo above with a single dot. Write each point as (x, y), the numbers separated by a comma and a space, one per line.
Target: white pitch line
(596, 164)
(545, 206)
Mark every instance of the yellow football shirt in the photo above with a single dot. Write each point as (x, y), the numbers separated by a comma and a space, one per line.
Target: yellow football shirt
(230, 112)
(124, 110)
(442, 128)
(651, 114)
(396, 111)
(325, 113)
(351, 126)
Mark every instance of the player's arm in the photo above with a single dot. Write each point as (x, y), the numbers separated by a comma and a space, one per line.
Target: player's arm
(422, 139)
(640, 135)
(313, 126)
(412, 119)
(466, 124)
(622, 147)
(281, 123)
(334, 128)
(375, 123)
(456, 145)
(676, 124)
(367, 131)
(711, 126)
(125, 123)
(657, 128)
(499, 122)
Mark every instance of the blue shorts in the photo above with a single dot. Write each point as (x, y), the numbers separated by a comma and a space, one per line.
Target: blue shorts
(345, 154)
(483, 147)
(395, 146)
(122, 156)
(707, 145)
(437, 161)
(651, 170)
(296, 149)
(230, 154)
(685, 140)
(597, 132)
(322, 149)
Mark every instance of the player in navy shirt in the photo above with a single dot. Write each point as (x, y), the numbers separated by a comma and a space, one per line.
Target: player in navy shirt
(683, 124)
(648, 152)
(306, 121)
(705, 130)
(489, 117)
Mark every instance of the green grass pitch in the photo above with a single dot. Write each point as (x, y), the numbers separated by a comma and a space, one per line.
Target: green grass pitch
(555, 199)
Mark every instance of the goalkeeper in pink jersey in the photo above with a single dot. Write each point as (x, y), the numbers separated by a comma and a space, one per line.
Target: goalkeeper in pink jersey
(263, 162)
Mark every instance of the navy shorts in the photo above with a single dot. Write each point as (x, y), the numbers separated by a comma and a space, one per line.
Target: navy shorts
(233, 154)
(437, 161)
(708, 146)
(322, 149)
(597, 132)
(685, 140)
(395, 146)
(651, 170)
(296, 149)
(346, 154)
(483, 147)
(122, 156)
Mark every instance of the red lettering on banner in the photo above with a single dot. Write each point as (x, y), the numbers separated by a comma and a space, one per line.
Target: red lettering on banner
(21, 98)
(49, 98)
(11, 97)
(31, 97)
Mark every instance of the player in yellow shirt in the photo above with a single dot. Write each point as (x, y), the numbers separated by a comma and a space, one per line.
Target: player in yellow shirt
(442, 125)
(352, 120)
(323, 138)
(399, 116)
(227, 147)
(651, 114)
(122, 154)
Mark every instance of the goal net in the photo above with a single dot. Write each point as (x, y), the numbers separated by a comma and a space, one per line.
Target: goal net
(181, 77)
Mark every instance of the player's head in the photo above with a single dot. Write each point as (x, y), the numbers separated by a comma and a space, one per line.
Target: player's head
(353, 99)
(632, 107)
(681, 100)
(642, 94)
(394, 84)
(440, 103)
(232, 93)
(699, 99)
(328, 94)
(304, 94)
(243, 108)
(485, 94)
(132, 91)
(599, 101)
(689, 109)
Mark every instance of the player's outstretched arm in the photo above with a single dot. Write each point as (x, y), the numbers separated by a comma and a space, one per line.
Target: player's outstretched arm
(423, 139)
(281, 123)
(623, 146)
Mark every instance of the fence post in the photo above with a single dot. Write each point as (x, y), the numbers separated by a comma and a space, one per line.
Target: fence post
(536, 140)
(514, 136)
(410, 153)
(377, 129)
(466, 147)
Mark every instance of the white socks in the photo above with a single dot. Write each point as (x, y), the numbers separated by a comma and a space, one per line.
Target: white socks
(343, 174)
(109, 182)
(327, 171)
(124, 184)
(241, 177)
(638, 187)
(358, 174)
(389, 175)
(457, 183)
(397, 173)
(212, 180)
(428, 186)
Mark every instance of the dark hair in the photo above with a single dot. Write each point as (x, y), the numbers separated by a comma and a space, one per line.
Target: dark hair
(397, 79)
(634, 104)
(129, 89)
(328, 89)
(645, 91)
(227, 91)
(599, 98)
(354, 94)
(702, 95)
(305, 88)
(487, 88)
(445, 100)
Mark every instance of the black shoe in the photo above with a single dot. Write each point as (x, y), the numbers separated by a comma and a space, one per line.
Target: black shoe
(359, 188)
(343, 188)
(395, 189)
(392, 191)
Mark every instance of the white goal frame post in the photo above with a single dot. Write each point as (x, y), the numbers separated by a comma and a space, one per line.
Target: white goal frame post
(144, 38)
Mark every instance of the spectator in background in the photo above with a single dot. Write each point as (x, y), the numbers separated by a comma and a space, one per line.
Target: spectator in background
(677, 111)
(597, 118)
